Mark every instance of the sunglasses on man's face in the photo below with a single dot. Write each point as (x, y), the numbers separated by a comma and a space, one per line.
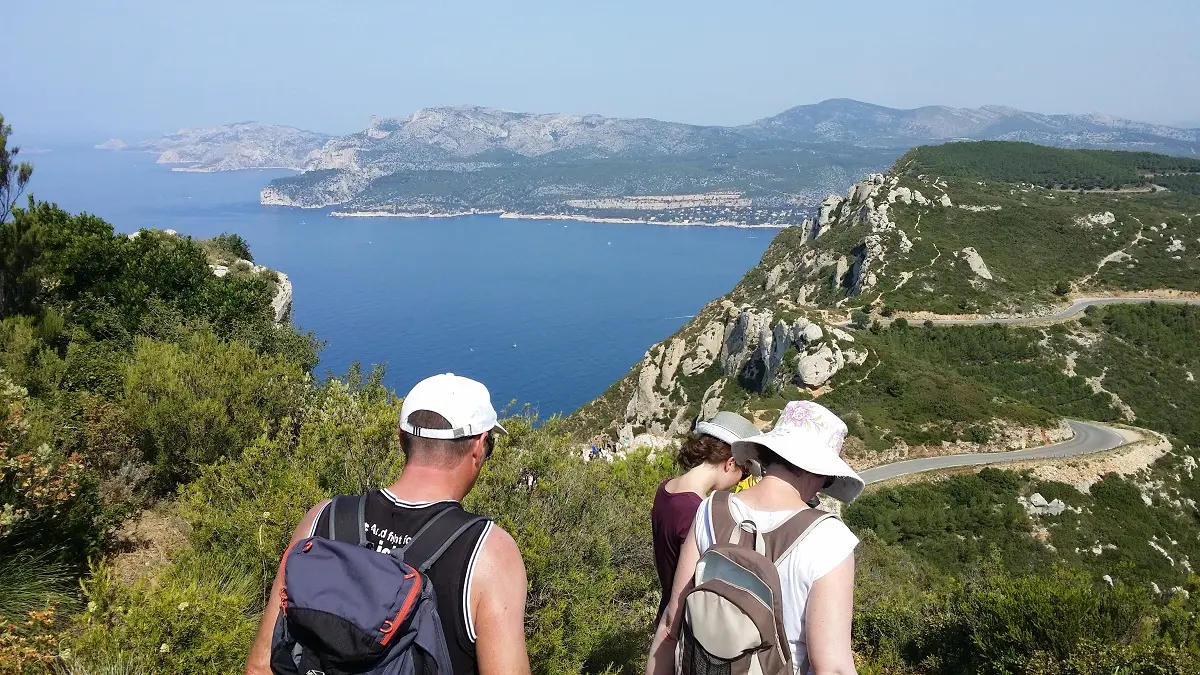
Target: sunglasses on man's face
(490, 445)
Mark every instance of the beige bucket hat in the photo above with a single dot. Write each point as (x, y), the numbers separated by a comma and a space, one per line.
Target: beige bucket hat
(727, 426)
(807, 436)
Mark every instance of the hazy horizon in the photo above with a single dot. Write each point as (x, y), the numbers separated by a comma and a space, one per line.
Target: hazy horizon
(135, 69)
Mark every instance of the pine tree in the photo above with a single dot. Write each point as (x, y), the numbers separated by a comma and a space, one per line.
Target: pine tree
(14, 175)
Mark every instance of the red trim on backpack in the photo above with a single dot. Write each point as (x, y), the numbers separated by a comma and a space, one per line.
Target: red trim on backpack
(283, 598)
(392, 625)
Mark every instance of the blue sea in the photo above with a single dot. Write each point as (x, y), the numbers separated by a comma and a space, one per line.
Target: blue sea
(544, 312)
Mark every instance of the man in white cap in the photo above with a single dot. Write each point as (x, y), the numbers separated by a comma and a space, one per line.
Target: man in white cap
(798, 458)
(447, 428)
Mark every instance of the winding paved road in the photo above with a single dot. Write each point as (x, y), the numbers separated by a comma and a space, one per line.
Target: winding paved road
(1089, 438)
(1075, 309)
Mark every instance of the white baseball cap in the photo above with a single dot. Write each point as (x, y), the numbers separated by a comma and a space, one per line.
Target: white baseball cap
(465, 403)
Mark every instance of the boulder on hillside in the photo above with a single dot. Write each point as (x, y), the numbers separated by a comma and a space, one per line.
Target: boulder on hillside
(814, 370)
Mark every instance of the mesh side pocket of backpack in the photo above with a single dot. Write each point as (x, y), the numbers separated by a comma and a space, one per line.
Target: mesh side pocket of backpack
(697, 661)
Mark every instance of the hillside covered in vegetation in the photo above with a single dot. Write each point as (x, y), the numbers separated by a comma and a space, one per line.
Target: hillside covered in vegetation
(951, 230)
(162, 433)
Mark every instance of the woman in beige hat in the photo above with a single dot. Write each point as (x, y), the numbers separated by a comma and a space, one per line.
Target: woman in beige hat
(707, 459)
(798, 458)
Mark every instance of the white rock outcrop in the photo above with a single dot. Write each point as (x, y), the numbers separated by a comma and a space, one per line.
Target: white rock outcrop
(840, 334)
(900, 194)
(806, 332)
(1096, 219)
(282, 302)
(839, 272)
(868, 256)
(814, 370)
(826, 213)
(671, 360)
(708, 347)
(975, 262)
(646, 405)
(738, 336)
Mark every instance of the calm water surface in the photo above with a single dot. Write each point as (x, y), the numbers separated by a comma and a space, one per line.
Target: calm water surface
(544, 312)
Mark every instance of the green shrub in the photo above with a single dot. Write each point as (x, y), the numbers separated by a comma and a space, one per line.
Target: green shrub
(194, 619)
(583, 529)
(228, 246)
(203, 398)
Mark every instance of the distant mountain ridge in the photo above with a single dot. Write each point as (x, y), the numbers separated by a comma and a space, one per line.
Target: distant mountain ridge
(850, 121)
(461, 159)
(231, 147)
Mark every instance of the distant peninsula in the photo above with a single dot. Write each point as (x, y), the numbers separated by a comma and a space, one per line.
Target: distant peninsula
(230, 147)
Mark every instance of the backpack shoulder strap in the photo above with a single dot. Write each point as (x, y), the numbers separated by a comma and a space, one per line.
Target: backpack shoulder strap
(429, 561)
(781, 540)
(721, 514)
(727, 529)
(347, 519)
(462, 529)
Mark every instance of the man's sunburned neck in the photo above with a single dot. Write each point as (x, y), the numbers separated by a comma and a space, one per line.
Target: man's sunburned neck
(429, 484)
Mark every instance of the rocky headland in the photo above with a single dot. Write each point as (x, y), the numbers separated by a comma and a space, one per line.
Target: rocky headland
(230, 147)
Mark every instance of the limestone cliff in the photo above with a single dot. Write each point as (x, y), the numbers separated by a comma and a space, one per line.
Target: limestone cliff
(776, 334)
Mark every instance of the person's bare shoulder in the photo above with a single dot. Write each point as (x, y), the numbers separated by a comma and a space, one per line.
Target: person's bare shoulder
(499, 558)
(498, 594)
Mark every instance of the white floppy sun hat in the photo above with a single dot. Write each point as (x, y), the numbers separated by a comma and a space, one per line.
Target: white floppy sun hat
(808, 436)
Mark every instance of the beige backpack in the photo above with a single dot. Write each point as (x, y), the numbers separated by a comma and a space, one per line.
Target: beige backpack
(733, 615)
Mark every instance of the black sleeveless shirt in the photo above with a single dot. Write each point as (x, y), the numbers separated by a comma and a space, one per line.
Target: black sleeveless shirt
(392, 522)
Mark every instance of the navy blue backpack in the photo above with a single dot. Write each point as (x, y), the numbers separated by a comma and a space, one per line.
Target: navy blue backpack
(346, 608)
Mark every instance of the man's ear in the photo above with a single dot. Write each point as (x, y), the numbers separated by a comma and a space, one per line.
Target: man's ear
(478, 450)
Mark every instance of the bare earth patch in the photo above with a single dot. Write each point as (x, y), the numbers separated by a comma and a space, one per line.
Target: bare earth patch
(147, 542)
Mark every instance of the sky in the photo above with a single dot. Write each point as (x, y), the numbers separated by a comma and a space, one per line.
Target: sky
(87, 70)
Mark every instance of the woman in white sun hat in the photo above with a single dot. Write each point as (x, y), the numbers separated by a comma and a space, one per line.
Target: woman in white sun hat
(798, 458)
